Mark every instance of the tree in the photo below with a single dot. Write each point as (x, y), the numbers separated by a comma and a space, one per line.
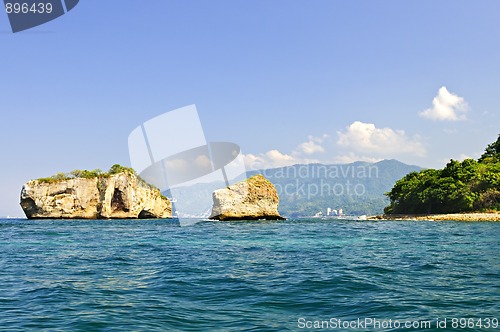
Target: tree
(458, 187)
(492, 150)
(117, 168)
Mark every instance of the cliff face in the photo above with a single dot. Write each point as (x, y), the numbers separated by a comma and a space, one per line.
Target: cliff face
(120, 195)
(254, 198)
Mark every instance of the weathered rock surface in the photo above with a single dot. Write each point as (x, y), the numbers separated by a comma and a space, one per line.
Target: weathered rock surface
(120, 195)
(254, 198)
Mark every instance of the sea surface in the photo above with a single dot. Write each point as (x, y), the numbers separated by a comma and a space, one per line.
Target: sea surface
(154, 275)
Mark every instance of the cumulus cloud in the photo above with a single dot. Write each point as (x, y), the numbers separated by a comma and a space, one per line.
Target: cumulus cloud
(358, 142)
(300, 155)
(464, 156)
(270, 159)
(367, 139)
(446, 106)
(177, 164)
(203, 161)
(351, 157)
(279, 158)
(313, 145)
(273, 159)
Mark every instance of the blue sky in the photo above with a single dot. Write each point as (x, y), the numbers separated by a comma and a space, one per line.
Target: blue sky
(289, 81)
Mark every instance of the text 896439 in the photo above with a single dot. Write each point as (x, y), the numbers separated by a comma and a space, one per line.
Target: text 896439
(26, 8)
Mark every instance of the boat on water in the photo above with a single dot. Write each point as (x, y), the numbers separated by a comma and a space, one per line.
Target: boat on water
(345, 217)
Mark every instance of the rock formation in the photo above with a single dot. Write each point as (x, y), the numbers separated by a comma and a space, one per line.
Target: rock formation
(254, 198)
(120, 195)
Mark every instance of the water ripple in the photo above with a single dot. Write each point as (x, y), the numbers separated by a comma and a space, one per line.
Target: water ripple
(246, 276)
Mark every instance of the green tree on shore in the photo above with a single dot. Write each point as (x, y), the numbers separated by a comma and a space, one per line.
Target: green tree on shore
(492, 151)
(464, 186)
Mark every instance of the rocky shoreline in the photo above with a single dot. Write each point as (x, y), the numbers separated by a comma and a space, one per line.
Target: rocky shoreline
(473, 216)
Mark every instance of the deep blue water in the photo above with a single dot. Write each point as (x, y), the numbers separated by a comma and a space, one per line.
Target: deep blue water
(255, 276)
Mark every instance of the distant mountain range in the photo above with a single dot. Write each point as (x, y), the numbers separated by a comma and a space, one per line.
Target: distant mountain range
(306, 189)
(357, 188)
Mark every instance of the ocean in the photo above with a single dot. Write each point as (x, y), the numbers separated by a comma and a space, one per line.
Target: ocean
(294, 275)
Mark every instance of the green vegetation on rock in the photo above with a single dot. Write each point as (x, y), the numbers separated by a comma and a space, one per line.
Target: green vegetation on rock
(86, 174)
(97, 173)
(464, 186)
(116, 168)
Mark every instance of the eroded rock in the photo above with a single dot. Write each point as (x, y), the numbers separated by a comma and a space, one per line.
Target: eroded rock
(254, 198)
(120, 195)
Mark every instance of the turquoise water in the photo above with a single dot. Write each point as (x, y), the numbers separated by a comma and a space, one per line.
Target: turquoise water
(247, 276)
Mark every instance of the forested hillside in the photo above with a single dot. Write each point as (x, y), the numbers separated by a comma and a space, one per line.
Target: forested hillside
(356, 188)
(470, 185)
(304, 190)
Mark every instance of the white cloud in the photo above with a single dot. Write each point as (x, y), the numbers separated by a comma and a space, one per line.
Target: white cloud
(464, 156)
(369, 140)
(313, 145)
(351, 157)
(275, 158)
(279, 158)
(461, 157)
(358, 142)
(203, 161)
(177, 164)
(446, 106)
(270, 159)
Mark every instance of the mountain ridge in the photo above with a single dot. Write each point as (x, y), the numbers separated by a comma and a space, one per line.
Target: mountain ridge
(356, 188)
(306, 189)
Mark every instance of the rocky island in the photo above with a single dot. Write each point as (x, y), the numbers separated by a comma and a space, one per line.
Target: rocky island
(117, 194)
(252, 199)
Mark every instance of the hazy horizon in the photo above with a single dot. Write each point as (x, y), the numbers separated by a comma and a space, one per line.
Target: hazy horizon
(288, 81)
